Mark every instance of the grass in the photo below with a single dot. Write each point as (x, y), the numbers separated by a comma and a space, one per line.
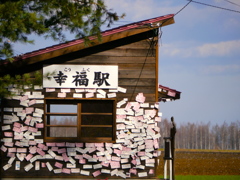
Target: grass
(210, 177)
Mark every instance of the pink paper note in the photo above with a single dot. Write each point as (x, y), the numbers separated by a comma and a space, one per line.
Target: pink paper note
(62, 150)
(82, 161)
(133, 171)
(79, 144)
(39, 125)
(54, 148)
(33, 149)
(99, 144)
(28, 119)
(127, 149)
(136, 107)
(4, 149)
(51, 144)
(23, 98)
(140, 98)
(24, 128)
(70, 144)
(50, 89)
(141, 153)
(134, 162)
(62, 95)
(32, 129)
(42, 146)
(121, 116)
(60, 144)
(65, 157)
(12, 150)
(21, 150)
(32, 142)
(32, 102)
(120, 126)
(18, 137)
(117, 151)
(108, 144)
(96, 173)
(28, 157)
(150, 161)
(151, 171)
(106, 164)
(155, 143)
(65, 90)
(86, 156)
(66, 171)
(115, 164)
(78, 156)
(128, 106)
(16, 124)
(89, 95)
(59, 165)
(41, 152)
(149, 143)
(10, 154)
(8, 144)
(43, 165)
(29, 110)
(16, 129)
(115, 158)
(89, 145)
(8, 134)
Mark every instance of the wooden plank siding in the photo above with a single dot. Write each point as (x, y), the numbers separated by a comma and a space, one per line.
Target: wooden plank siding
(137, 65)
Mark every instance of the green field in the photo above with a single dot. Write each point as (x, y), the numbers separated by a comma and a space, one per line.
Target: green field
(207, 177)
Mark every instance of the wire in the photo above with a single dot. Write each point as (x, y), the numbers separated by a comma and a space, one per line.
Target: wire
(233, 3)
(183, 7)
(147, 55)
(214, 6)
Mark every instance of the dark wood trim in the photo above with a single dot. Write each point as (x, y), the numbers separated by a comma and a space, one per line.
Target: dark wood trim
(21, 67)
(157, 67)
(79, 118)
(96, 126)
(96, 113)
(79, 123)
(63, 114)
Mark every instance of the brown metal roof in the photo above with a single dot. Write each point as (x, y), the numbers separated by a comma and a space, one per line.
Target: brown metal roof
(120, 29)
(166, 93)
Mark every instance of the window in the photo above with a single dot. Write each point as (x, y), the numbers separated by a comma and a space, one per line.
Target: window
(85, 120)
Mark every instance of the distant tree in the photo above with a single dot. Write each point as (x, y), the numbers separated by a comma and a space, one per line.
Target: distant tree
(206, 136)
(164, 125)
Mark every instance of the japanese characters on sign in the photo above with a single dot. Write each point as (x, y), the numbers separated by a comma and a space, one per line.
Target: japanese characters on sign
(81, 76)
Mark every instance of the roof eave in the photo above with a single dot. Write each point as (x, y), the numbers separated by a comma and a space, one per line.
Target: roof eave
(166, 94)
(107, 36)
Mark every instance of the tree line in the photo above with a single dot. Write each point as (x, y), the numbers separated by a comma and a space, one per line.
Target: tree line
(203, 135)
(62, 131)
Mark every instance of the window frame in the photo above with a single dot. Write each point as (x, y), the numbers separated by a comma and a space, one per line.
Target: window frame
(79, 114)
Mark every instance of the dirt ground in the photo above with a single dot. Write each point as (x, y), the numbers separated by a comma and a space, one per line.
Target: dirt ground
(194, 162)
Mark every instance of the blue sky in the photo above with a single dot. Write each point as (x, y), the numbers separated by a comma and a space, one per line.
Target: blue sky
(199, 56)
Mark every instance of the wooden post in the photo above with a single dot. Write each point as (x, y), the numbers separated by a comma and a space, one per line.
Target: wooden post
(173, 131)
(167, 157)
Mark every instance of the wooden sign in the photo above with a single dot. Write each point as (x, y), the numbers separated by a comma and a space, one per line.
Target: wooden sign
(80, 76)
